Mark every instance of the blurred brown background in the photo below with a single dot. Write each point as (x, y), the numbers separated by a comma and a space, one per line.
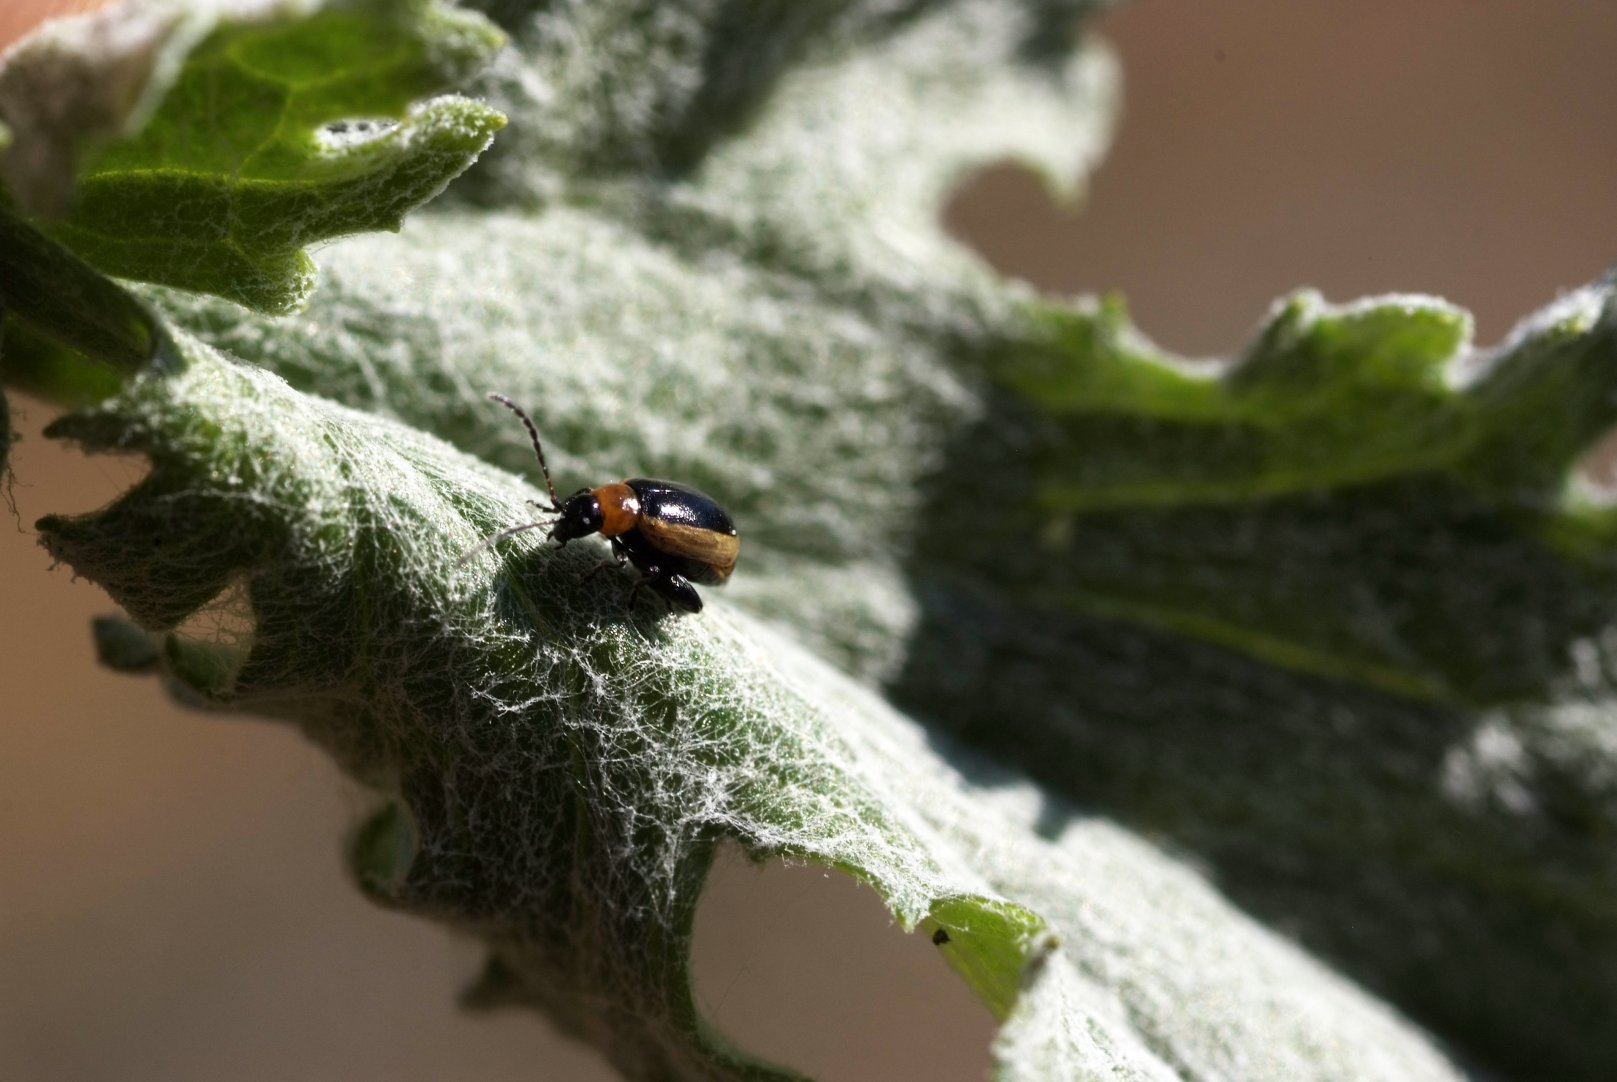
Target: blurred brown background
(172, 902)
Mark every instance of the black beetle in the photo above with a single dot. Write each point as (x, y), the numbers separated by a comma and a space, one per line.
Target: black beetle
(673, 534)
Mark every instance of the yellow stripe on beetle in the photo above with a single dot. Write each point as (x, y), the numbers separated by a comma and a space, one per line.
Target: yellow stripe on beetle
(717, 550)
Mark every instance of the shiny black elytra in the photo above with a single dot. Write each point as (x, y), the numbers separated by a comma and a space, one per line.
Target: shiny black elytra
(672, 534)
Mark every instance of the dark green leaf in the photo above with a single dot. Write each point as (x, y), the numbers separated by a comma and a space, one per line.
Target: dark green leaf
(48, 293)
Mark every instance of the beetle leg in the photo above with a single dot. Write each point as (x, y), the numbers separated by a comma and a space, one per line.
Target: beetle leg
(616, 561)
(656, 582)
(678, 592)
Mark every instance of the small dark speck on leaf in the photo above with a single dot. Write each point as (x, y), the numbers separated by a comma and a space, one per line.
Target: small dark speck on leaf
(941, 936)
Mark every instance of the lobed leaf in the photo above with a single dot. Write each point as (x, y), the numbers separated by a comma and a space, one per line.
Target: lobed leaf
(1372, 706)
(561, 770)
(1334, 622)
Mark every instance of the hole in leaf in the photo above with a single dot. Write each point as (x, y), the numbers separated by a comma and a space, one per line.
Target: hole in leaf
(207, 650)
(805, 967)
(1598, 469)
(345, 134)
(225, 623)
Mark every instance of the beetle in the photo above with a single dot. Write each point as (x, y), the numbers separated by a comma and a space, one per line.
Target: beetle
(672, 534)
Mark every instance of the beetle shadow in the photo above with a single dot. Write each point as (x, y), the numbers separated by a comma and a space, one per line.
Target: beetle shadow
(580, 590)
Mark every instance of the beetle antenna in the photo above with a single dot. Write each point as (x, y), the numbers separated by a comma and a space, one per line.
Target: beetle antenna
(495, 539)
(539, 453)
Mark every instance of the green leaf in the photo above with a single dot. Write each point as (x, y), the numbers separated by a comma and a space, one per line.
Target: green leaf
(1352, 646)
(1332, 626)
(58, 313)
(284, 126)
(562, 770)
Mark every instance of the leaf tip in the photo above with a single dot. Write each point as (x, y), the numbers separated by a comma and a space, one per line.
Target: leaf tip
(124, 646)
(382, 852)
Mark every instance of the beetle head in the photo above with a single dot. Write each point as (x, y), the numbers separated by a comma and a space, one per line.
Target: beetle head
(580, 517)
